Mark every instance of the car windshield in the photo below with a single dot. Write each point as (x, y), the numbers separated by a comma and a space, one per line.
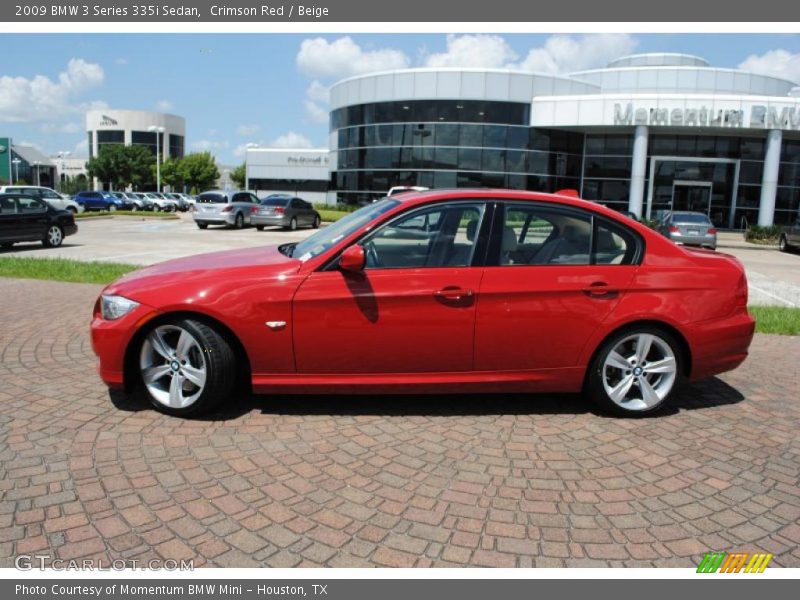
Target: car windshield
(275, 201)
(212, 198)
(333, 234)
(690, 218)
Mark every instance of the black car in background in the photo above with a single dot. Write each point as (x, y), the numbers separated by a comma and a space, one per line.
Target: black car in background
(28, 219)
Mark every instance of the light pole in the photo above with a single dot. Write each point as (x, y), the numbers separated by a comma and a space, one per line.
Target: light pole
(62, 176)
(16, 162)
(158, 130)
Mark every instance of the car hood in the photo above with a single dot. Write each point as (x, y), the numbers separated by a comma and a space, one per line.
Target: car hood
(215, 270)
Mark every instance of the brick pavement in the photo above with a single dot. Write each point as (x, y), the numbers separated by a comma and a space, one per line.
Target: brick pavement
(384, 481)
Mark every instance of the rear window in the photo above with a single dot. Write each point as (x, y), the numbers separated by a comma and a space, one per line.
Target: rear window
(690, 218)
(212, 198)
(275, 201)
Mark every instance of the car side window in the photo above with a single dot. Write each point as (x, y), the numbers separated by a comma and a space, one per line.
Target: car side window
(540, 235)
(30, 205)
(442, 236)
(613, 244)
(8, 206)
(50, 195)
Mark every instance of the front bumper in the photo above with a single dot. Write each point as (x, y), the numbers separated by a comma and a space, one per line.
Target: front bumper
(110, 340)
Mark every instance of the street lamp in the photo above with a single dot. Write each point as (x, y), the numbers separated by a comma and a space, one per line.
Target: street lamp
(158, 131)
(16, 162)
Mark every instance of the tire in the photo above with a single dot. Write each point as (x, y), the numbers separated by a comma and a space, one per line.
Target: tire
(53, 237)
(112, 208)
(238, 222)
(293, 224)
(134, 208)
(619, 390)
(186, 367)
(316, 223)
(260, 227)
(203, 225)
(783, 244)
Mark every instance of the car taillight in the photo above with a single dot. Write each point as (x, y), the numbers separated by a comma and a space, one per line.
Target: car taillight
(673, 229)
(279, 210)
(712, 231)
(253, 209)
(227, 208)
(741, 291)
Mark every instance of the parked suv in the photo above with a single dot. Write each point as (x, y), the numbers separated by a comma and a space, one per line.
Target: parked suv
(161, 202)
(97, 200)
(52, 197)
(225, 207)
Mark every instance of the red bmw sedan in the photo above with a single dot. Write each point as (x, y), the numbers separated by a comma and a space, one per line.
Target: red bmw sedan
(441, 291)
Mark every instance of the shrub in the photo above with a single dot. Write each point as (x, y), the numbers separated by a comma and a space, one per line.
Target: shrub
(762, 235)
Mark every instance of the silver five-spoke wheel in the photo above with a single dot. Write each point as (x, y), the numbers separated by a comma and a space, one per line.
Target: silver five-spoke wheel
(639, 371)
(173, 366)
(54, 236)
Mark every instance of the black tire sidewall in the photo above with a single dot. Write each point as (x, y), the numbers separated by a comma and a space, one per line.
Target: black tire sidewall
(220, 369)
(594, 379)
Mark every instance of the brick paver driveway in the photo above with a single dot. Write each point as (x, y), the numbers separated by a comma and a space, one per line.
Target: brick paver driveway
(338, 481)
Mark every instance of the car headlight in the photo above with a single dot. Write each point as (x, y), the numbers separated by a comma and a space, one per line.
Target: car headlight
(114, 307)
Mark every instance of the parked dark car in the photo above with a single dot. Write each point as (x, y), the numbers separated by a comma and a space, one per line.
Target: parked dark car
(99, 201)
(28, 219)
(285, 211)
(790, 237)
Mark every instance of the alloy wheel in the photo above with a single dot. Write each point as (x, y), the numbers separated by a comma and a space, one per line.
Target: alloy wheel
(54, 236)
(639, 372)
(173, 366)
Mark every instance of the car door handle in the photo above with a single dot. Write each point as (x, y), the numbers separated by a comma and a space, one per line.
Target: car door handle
(453, 293)
(600, 289)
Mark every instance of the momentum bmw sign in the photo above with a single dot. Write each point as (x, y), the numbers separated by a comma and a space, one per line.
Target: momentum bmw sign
(760, 116)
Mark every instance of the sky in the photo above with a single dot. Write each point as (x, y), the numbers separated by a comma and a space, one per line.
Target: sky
(271, 89)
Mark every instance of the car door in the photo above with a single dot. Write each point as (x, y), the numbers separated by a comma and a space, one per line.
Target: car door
(541, 298)
(9, 231)
(412, 309)
(32, 217)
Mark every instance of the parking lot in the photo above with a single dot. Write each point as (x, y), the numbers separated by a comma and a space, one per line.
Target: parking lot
(489, 480)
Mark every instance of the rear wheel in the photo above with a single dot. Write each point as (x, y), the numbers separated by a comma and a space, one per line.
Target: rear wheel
(316, 222)
(293, 224)
(186, 367)
(635, 371)
(53, 237)
(260, 227)
(203, 225)
(783, 244)
(239, 221)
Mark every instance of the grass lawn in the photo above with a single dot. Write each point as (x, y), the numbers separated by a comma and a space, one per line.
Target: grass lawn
(329, 216)
(62, 269)
(776, 319)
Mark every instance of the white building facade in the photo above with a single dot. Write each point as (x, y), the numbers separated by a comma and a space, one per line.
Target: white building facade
(301, 172)
(648, 133)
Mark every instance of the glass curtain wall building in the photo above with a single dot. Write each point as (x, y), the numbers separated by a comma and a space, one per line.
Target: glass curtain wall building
(648, 133)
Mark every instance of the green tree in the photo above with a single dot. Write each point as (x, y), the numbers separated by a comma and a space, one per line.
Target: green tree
(239, 176)
(171, 174)
(199, 171)
(121, 166)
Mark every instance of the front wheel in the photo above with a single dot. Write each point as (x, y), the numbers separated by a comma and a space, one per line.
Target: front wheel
(260, 227)
(316, 223)
(186, 367)
(293, 224)
(53, 237)
(112, 208)
(783, 245)
(239, 221)
(635, 371)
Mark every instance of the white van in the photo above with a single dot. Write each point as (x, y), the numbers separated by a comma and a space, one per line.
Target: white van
(52, 197)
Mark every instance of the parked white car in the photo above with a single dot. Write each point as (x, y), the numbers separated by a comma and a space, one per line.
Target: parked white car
(52, 197)
(161, 202)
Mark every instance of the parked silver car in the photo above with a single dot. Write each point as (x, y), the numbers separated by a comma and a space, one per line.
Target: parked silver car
(161, 202)
(290, 212)
(232, 208)
(690, 229)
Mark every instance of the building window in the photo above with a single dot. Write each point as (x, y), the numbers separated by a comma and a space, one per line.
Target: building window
(295, 186)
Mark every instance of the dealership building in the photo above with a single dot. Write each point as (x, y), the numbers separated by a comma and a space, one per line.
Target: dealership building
(301, 172)
(648, 133)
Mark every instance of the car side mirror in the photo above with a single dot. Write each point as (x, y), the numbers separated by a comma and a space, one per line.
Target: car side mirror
(352, 259)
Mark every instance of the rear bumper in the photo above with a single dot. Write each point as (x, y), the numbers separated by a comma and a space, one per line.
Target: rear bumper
(720, 345)
(227, 218)
(276, 221)
(694, 240)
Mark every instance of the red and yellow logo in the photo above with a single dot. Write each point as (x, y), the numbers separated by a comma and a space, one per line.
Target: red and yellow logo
(737, 562)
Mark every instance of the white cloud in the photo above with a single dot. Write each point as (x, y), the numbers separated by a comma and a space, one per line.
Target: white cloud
(343, 58)
(40, 98)
(316, 112)
(247, 130)
(50, 128)
(208, 145)
(81, 148)
(564, 53)
(779, 63)
(291, 140)
(318, 92)
(473, 50)
(316, 103)
(163, 105)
